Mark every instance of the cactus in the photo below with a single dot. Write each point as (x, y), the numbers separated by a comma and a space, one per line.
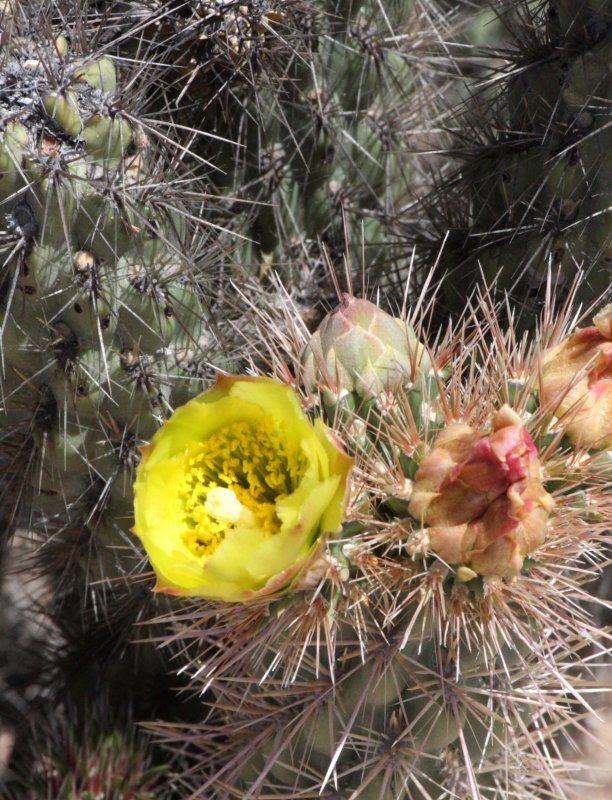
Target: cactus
(528, 195)
(75, 760)
(447, 621)
(441, 626)
(303, 113)
(104, 320)
(105, 325)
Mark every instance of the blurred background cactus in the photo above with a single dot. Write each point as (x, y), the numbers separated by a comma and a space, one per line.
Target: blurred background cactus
(305, 113)
(525, 197)
(183, 188)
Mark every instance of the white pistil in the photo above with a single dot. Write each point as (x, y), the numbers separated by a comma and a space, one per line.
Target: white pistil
(223, 505)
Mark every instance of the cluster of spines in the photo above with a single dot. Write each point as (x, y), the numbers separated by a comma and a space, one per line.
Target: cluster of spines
(301, 114)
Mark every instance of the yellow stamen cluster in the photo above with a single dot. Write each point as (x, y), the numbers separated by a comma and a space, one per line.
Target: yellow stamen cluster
(235, 477)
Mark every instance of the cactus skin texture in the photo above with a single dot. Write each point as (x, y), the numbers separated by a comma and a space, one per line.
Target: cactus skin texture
(311, 103)
(404, 667)
(531, 196)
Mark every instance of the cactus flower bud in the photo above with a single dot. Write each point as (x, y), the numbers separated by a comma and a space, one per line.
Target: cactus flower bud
(577, 383)
(236, 490)
(480, 497)
(360, 348)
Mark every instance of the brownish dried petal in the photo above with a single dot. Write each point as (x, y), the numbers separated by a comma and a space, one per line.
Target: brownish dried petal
(499, 558)
(451, 542)
(455, 505)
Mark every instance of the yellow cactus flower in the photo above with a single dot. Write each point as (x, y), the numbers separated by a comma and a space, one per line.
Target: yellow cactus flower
(577, 383)
(236, 490)
(480, 497)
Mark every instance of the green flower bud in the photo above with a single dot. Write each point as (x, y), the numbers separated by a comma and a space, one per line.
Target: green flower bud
(360, 348)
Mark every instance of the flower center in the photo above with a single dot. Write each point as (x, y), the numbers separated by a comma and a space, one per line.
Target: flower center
(235, 478)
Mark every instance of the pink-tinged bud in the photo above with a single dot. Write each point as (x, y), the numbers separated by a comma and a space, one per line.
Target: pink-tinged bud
(480, 498)
(577, 383)
(358, 347)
